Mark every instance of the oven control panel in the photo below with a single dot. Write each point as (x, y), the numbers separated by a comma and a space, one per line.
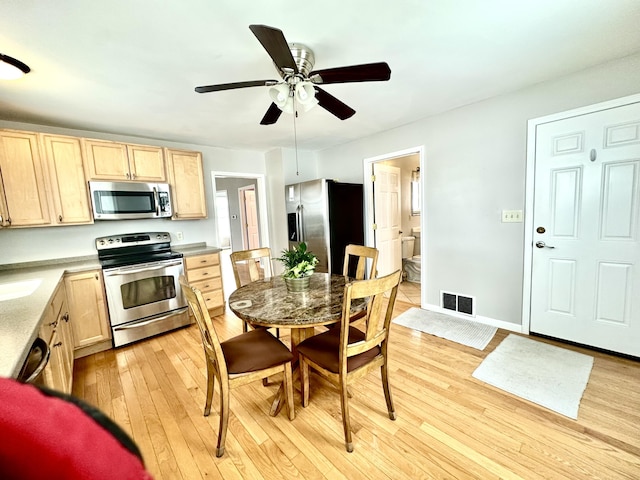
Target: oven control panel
(132, 239)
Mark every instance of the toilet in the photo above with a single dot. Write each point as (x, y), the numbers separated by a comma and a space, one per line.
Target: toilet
(411, 262)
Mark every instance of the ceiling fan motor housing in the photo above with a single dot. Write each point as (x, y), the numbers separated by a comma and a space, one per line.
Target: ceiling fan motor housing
(304, 58)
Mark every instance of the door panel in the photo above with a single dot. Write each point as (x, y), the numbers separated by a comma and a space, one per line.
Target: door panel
(586, 274)
(387, 217)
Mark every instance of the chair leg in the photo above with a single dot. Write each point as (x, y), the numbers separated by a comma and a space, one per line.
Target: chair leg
(304, 380)
(344, 401)
(387, 391)
(288, 390)
(224, 417)
(211, 381)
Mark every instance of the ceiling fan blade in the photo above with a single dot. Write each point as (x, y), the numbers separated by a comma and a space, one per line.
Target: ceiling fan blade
(272, 115)
(273, 41)
(231, 86)
(333, 105)
(369, 72)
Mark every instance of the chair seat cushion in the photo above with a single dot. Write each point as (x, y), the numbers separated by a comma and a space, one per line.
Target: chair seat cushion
(324, 349)
(254, 350)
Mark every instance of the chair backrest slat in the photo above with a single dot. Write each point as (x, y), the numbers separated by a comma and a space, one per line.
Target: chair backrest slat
(362, 253)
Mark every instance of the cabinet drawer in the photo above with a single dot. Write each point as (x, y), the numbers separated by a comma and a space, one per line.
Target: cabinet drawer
(213, 299)
(203, 274)
(199, 261)
(58, 300)
(209, 285)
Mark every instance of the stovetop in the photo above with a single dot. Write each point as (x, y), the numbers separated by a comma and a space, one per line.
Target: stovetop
(134, 248)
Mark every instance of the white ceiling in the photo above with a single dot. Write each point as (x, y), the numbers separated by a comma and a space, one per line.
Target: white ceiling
(130, 66)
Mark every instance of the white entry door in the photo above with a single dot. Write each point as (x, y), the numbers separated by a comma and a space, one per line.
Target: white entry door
(386, 193)
(585, 284)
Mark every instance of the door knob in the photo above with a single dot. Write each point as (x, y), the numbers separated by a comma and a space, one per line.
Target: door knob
(543, 245)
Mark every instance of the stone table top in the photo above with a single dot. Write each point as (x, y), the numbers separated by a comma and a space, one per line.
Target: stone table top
(268, 302)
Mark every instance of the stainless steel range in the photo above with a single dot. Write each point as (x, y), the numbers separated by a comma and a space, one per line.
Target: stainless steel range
(141, 280)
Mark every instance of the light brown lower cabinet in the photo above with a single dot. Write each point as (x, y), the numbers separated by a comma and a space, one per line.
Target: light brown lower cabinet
(203, 272)
(88, 311)
(55, 329)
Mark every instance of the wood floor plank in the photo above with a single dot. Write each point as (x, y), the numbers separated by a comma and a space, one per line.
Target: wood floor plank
(449, 424)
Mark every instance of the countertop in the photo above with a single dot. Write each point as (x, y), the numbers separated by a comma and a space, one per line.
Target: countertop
(20, 318)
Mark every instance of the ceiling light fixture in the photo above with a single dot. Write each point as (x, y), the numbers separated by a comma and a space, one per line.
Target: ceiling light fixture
(11, 69)
(300, 93)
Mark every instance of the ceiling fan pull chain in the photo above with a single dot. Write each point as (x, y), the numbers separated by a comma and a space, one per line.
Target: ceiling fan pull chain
(295, 133)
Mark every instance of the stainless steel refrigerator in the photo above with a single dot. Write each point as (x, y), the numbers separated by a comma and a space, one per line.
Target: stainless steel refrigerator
(327, 216)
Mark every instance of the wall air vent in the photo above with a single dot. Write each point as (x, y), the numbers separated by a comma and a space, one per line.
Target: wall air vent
(456, 302)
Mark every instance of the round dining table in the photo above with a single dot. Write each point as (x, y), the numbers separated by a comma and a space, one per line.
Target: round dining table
(268, 303)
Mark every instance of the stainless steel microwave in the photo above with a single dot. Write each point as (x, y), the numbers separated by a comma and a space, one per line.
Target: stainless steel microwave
(129, 200)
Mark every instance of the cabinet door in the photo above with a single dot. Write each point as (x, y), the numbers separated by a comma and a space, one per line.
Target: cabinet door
(69, 189)
(106, 160)
(186, 178)
(24, 201)
(87, 308)
(146, 163)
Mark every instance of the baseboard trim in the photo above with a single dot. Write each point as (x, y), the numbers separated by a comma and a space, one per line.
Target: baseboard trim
(512, 327)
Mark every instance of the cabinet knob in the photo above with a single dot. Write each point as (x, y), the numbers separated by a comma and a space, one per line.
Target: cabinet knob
(59, 218)
(128, 176)
(97, 277)
(133, 176)
(65, 317)
(9, 220)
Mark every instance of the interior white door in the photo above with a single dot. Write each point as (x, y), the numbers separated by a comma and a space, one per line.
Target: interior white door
(586, 257)
(386, 195)
(250, 217)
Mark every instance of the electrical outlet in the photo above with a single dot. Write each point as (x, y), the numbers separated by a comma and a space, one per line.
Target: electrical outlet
(179, 236)
(512, 216)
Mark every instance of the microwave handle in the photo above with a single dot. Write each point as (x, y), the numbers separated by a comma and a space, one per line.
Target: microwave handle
(156, 198)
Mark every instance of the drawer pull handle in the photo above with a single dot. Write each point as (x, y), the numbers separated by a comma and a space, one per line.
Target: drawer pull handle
(58, 344)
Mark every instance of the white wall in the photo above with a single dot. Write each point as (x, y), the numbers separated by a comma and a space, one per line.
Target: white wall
(43, 243)
(474, 167)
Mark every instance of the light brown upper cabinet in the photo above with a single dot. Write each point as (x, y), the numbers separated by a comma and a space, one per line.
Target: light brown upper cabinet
(106, 160)
(69, 190)
(23, 198)
(186, 178)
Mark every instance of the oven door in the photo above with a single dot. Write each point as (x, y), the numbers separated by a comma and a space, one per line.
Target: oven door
(143, 290)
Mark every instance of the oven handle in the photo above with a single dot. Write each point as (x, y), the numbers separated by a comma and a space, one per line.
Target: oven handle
(151, 320)
(145, 269)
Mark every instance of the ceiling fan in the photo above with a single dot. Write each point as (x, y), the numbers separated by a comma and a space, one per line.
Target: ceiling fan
(298, 87)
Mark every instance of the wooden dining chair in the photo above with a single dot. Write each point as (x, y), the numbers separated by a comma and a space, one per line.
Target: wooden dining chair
(237, 361)
(249, 266)
(343, 355)
(357, 256)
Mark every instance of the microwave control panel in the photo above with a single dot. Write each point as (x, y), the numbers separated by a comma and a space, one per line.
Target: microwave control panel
(164, 203)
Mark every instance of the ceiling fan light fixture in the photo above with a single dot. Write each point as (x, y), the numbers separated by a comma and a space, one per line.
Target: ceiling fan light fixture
(11, 68)
(280, 94)
(306, 95)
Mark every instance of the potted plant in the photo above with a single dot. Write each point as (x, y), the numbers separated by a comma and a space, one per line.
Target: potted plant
(299, 264)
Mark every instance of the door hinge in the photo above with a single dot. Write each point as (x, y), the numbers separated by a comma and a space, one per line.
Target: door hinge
(374, 226)
(373, 178)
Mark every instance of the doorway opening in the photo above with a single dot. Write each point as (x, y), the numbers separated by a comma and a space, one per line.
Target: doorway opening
(240, 205)
(395, 224)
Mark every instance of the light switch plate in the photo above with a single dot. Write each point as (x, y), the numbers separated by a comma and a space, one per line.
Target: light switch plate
(512, 216)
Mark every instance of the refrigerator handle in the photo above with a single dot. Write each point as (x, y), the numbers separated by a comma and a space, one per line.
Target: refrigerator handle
(299, 222)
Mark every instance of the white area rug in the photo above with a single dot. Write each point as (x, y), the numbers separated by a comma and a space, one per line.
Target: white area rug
(471, 334)
(550, 376)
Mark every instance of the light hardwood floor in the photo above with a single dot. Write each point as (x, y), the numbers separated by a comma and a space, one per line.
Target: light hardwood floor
(449, 424)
